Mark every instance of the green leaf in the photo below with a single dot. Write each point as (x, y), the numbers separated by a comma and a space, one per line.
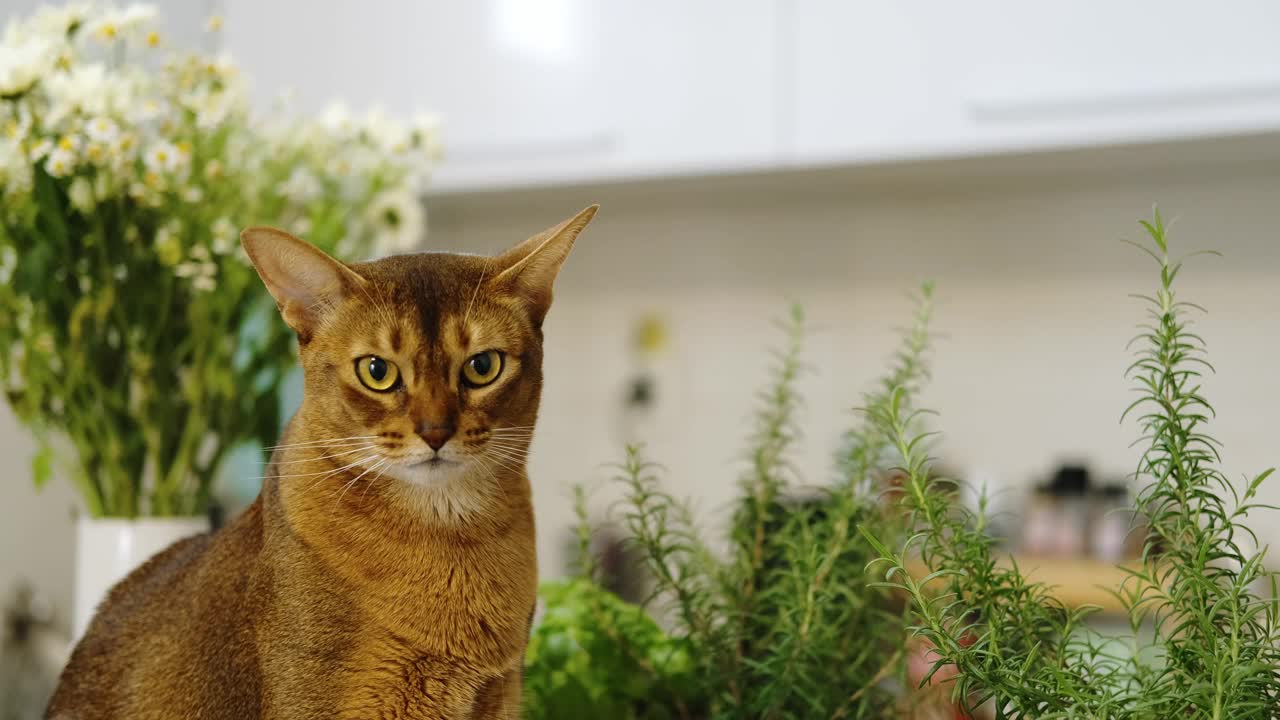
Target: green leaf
(42, 466)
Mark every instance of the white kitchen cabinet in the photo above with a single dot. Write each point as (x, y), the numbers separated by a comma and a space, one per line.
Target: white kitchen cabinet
(888, 79)
(536, 92)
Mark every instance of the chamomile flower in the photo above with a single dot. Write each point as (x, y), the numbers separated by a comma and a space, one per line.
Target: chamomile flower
(88, 90)
(211, 108)
(133, 22)
(54, 21)
(24, 63)
(201, 272)
(168, 245)
(224, 236)
(302, 186)
(398, 220)
(61, 162)
(81, 195)
(102, 129)
(40, 149)
(336, 119)
(15, 168)
(164, 158)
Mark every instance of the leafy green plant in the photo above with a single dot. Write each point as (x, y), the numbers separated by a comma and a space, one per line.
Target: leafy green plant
(1214, 648)
(788, 624)
(592, 654)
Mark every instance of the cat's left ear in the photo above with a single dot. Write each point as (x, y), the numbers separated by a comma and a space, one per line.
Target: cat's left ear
(305, 282)
(529, 269)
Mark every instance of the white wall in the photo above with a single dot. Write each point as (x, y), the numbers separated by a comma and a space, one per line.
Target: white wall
(1032, 285)
(1032, 306)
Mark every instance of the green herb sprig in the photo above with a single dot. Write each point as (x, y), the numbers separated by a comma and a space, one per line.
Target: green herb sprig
(1214, 650)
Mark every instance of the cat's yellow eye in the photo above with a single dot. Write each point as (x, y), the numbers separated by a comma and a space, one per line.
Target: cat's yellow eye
(377, 374)
(482, 368)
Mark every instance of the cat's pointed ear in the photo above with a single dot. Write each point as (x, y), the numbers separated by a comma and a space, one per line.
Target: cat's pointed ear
(305, 282)
(529, 269)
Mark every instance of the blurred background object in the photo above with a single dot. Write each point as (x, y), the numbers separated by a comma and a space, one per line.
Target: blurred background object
(750, 152)
(31, 653)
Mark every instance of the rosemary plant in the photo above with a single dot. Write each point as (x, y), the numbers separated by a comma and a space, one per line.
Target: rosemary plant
(1214, 647)
(789, 624)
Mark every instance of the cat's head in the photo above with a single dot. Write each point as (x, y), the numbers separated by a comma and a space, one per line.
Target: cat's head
(424, 370)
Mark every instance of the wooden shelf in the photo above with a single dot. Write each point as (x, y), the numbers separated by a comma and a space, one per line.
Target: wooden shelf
(1074, 581)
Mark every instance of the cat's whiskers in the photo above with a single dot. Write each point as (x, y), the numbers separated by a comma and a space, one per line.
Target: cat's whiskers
(362, 448)
(311, 474)
(344, 468)
(505, 461)
(376, 478)
(492, 475)
(356, 479)
(344, 440)
(510, 449)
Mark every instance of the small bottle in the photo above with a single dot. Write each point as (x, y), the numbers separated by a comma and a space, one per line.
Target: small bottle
(1112, 524)
(1039, 525)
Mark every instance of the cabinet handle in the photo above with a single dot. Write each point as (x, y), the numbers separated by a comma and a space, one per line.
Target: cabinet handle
(1014, 111)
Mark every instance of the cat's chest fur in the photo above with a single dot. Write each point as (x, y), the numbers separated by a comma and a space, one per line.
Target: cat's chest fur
(407, 630)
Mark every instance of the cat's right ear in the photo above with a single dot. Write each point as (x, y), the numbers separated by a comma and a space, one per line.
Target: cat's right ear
(305, 282)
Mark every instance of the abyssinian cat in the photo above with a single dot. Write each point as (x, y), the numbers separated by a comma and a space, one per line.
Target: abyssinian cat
(387, 569)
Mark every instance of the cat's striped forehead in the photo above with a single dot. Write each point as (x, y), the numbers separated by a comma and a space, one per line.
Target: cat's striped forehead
(435, 308)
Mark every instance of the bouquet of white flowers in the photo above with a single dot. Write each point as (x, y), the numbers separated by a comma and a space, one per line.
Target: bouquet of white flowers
(130, 322)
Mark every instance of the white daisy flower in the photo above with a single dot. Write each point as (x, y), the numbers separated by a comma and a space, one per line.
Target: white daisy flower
(87, 89)
(398, 219)
(102, 129)
(15, 168)
(81, 195)
(130, 23)
(24, 63)
(168, 245)
(425, 131)
(61, 162)
(149, 110)
(224, 236)
(17, 129)
(336, 118)
(302, 186)
(42, 148)
(8, 263)
(54, 21)
(386, 133)
(201, 273)
(165, 158)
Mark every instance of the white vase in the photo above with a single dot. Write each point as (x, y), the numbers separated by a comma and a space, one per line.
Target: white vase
(108, 549)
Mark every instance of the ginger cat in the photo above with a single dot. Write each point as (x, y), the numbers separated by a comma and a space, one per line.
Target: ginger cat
(387, 569)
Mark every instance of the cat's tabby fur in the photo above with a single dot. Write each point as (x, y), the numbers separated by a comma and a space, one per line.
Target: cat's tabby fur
(366, 581)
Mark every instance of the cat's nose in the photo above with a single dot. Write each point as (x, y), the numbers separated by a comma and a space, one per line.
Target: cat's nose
(435, 435)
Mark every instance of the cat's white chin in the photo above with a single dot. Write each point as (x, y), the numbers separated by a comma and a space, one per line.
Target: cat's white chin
(433, 472)
(449, 491)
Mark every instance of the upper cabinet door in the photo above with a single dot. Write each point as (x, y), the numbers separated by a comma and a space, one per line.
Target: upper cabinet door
(927, 76)
(534, 91)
